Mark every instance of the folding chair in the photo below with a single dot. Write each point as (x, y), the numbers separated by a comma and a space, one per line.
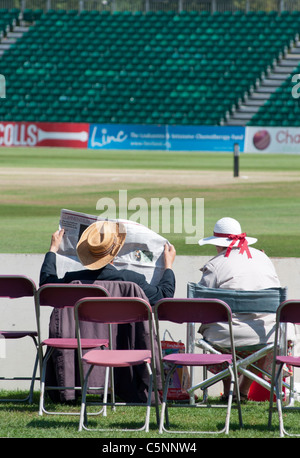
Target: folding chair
(288, 312)
(262, 301)
(60, 296)
(13, 287)
(116, 310)
(200, 311)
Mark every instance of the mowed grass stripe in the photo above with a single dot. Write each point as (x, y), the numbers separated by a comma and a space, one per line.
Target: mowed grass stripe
(177, 160)
(267, 210)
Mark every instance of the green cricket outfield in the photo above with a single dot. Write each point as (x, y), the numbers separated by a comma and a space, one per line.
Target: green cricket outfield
(36, 183)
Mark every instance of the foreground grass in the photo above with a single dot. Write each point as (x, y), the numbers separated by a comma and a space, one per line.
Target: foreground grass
(22, 421)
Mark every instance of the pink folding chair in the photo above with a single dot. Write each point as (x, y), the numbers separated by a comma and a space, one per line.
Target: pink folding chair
(116, 310)
(199, 311)
(13, 287)
(61, 296)
(287, 312)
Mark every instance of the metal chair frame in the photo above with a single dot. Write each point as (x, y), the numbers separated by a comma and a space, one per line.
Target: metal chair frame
(62, 295)
(13, 287)
(243, 365)
(116, 310)
(190, 311)
(288, 312)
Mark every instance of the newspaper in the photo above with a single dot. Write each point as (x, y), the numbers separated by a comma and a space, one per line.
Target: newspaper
(142, 251)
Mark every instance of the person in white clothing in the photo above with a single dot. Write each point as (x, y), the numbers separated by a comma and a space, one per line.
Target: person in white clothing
(239, 266)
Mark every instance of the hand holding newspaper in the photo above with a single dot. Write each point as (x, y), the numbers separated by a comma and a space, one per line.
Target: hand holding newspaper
(142, 251)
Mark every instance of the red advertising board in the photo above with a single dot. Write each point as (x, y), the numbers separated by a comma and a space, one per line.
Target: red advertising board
(44, 134)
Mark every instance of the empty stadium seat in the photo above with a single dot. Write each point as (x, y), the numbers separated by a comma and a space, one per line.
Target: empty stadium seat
(186, 64)
(8, 19)
(281, 109)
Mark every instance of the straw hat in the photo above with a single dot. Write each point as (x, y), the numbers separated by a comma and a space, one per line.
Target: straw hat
(228, 233)
(100, 243)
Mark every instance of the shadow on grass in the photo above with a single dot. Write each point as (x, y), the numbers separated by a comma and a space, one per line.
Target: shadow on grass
(67, 422)
(26, 422)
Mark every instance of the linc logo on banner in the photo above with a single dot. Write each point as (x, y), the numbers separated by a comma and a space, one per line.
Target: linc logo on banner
(2, 87)
(104, 139)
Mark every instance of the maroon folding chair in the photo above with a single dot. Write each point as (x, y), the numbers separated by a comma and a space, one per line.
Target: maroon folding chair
(196, 311)
(287, 312)
(14, 287)
(116, 310)
(60, 296)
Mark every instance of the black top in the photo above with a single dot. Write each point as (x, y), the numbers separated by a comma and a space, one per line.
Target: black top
(165, 287)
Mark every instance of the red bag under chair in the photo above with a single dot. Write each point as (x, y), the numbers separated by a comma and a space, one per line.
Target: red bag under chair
(181, 380)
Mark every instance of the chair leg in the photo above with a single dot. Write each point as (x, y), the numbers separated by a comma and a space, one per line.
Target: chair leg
(234, 377)
(164, 400)
(107, 372)
(83, 416)
(155, 393)
(112, 389)
(43, 378)
(147, 420)
(33, 379)
(231, 390)
(272, 389)
(112, 380)
(279, 402)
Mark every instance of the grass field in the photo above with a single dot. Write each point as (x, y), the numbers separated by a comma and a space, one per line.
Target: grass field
(36, 183)
(22, 421)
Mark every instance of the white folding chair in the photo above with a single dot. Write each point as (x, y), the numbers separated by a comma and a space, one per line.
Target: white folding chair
(262, 301)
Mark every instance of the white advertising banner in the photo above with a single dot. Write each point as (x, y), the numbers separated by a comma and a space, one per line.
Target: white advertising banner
(284, 140)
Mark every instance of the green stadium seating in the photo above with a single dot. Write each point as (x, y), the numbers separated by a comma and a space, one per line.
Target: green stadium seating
(8, 18)
(281, 109)
(166, 68)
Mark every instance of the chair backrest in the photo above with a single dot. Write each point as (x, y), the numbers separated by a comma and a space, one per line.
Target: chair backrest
(113, 310)
(60, 295)
(289, 312)
(192, 310)
(15, 286)
(261, 301)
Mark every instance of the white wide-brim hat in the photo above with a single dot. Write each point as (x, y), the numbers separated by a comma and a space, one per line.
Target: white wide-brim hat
(226, 227)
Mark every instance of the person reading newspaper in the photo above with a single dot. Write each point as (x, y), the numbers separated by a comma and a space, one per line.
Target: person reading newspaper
(97, 247)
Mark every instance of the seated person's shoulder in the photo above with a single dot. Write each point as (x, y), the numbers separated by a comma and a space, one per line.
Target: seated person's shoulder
(130, 275)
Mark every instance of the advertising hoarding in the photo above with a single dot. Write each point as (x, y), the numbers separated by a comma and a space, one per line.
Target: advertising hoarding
(71, 135)
(283, 140)
(172, 138)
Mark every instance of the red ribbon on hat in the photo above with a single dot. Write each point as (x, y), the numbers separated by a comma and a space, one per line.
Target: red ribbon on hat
(243, 244)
